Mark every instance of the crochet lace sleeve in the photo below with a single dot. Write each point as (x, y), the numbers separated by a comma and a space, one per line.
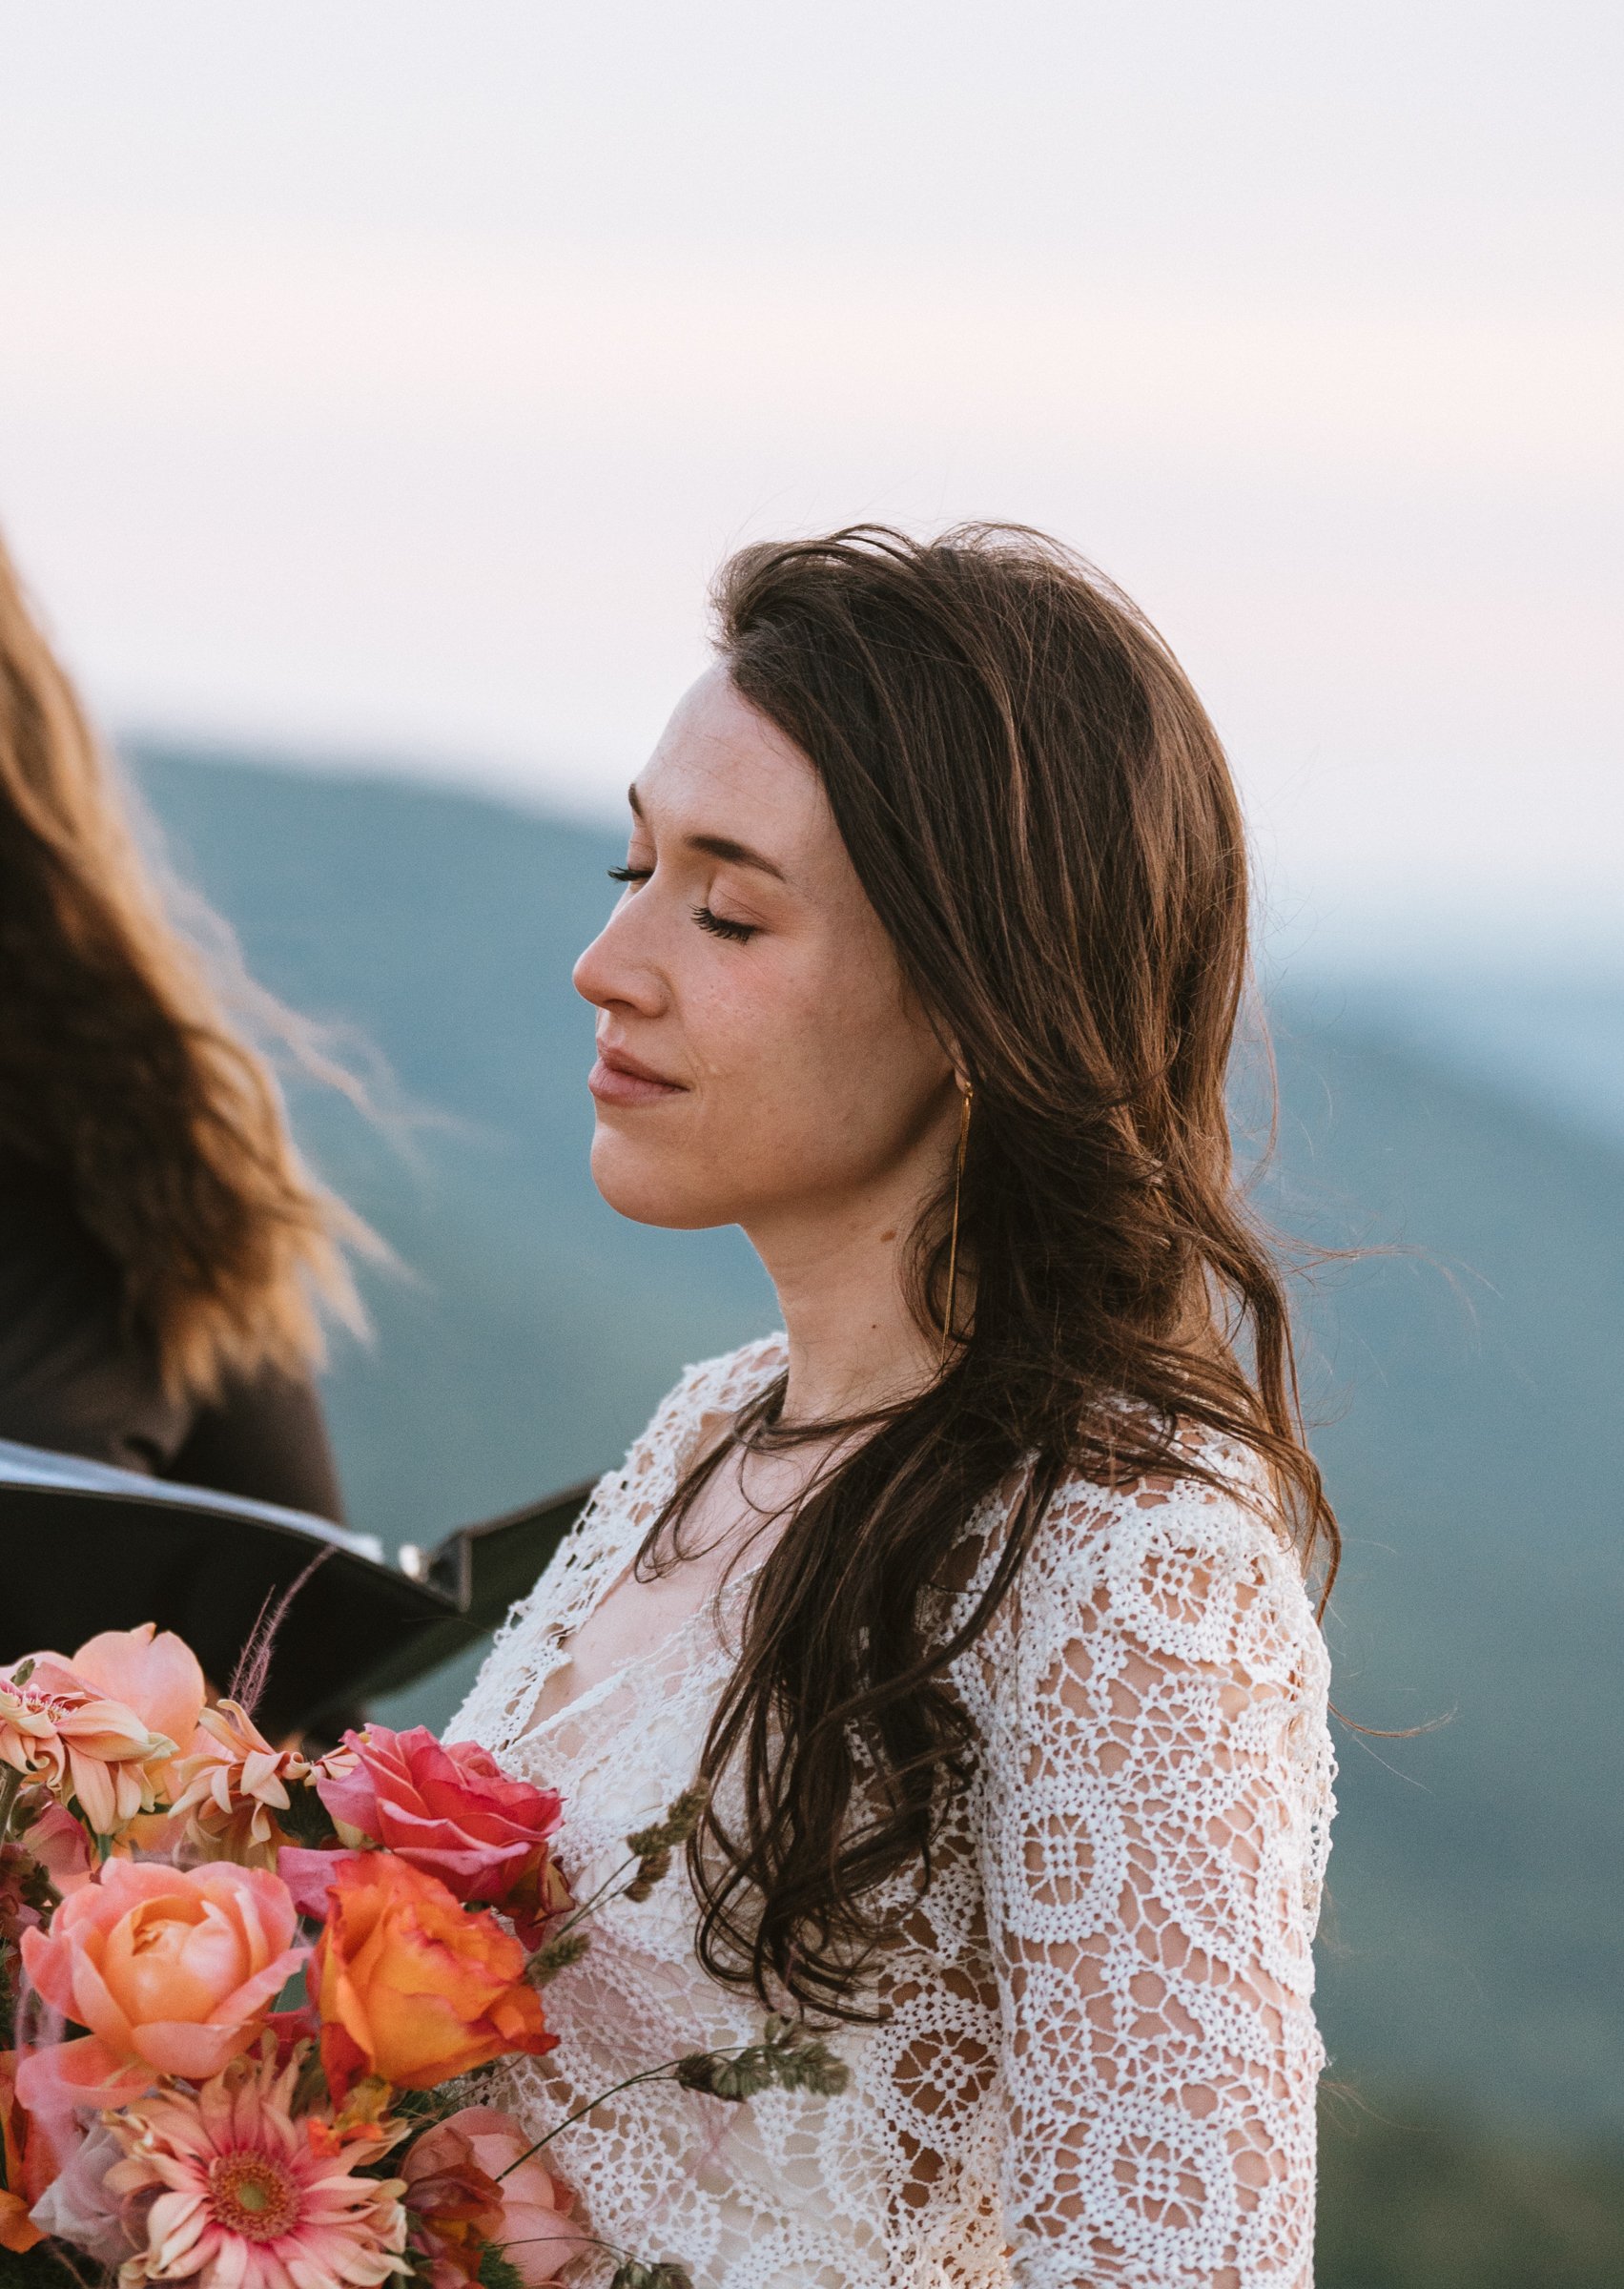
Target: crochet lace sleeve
(1152, 1843)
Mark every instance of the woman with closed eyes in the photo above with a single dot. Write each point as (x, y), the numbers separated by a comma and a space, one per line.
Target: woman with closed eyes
(979, 1598)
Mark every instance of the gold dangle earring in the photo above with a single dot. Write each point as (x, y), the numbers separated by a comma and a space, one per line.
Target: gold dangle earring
(964, 1107)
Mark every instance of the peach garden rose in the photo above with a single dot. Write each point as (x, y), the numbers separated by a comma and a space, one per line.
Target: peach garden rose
(172, 1970)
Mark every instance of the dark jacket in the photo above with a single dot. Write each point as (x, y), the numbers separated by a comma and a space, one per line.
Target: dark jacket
(75, 1378)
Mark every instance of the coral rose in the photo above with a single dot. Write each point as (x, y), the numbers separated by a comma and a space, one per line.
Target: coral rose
(452, 1811)
(413, 1986)
(466, 2185)
(455, 2209)
(172, 1970)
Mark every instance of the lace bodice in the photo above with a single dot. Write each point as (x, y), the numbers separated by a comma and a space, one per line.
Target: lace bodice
(1098, 2059)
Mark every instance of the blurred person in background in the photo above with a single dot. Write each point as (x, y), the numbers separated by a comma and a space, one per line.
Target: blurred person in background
(163, 1254)
(980, 1601)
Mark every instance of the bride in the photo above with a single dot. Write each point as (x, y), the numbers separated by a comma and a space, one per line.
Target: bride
(978, 1596)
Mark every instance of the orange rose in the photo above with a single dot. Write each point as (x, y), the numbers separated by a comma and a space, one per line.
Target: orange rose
(173, 1971)
(411, 1986)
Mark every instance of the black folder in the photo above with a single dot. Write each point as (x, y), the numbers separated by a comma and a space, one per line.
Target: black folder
(85, 1547)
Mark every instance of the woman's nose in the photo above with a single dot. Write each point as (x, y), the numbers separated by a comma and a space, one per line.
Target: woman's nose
(615, 970)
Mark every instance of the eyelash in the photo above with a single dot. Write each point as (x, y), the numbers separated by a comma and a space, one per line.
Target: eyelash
(736, 934)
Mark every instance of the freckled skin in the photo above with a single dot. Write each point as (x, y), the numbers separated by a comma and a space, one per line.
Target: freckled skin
(814, 1087)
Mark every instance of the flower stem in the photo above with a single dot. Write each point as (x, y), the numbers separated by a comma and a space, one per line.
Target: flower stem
(647, 2075)
(579, 1915)
(10, 1783)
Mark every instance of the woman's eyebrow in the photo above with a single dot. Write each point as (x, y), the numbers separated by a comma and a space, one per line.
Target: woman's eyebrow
(721, 845)
(734, 853)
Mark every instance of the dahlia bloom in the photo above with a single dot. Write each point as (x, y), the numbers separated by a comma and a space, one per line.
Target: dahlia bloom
(228, 2190)
(153, 1672)
(59, 1727)
(231, 1788)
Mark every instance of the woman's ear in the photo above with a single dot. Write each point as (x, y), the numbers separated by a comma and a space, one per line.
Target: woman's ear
(955, 1056)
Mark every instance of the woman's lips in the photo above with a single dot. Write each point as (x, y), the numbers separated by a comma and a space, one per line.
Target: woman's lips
(617, 1078)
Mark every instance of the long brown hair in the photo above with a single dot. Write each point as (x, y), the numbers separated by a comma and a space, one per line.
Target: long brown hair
(120, 1072)
(1042, 816)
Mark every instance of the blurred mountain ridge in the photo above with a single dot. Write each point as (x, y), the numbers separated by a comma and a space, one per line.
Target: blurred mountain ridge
(1467, 1386)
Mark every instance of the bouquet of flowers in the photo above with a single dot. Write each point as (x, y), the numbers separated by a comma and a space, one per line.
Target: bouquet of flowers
(247, 1995)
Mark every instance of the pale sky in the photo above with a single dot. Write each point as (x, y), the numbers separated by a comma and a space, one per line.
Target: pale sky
(387, 379)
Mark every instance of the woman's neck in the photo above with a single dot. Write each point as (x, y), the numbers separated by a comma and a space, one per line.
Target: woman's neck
(854, 1344)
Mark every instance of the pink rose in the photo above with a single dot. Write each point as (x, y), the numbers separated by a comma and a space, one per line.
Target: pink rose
(172, 1970)
(459, 2195)
(453, 1813)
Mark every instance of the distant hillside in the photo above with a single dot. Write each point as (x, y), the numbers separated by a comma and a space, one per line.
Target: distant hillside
(1473, 1434)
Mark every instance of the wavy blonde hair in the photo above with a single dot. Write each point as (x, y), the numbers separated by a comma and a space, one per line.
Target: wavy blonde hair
(120, 1071)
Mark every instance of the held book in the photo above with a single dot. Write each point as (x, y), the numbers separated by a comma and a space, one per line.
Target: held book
(87, 1547)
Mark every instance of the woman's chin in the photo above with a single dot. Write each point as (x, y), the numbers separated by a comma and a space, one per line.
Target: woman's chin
(646, 1186)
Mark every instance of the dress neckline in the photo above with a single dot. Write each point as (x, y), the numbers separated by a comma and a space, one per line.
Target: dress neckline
(705, 1611)
(681, 1453)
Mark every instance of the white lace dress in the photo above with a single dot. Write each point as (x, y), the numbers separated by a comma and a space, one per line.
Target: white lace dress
(1099, 2060)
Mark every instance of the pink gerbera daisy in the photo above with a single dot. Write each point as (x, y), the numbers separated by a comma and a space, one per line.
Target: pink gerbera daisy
(229, 2190)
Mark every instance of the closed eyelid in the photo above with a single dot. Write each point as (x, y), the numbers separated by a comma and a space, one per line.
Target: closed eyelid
(727, 926)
